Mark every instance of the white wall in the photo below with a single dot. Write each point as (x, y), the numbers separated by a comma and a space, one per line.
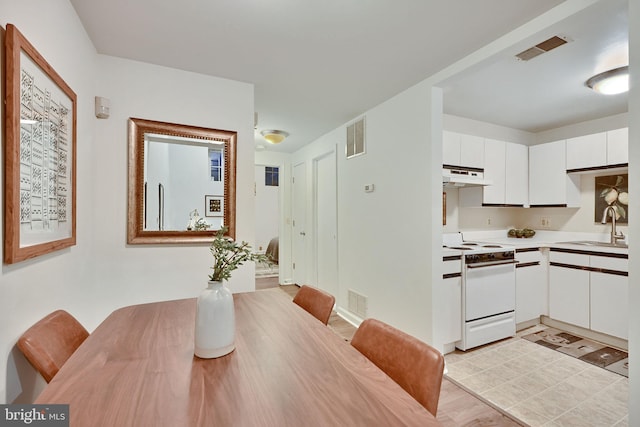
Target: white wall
(381, 247)
(101, 272)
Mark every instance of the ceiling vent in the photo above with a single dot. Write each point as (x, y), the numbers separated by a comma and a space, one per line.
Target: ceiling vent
(541, 48)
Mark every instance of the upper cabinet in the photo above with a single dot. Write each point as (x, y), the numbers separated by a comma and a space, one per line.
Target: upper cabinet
(549, 183)
(506, 167)
(618, 147)
(599, 150)
(587, 151)
(462, 150)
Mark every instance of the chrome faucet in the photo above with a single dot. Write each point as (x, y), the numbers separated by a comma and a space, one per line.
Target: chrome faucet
(615, 235)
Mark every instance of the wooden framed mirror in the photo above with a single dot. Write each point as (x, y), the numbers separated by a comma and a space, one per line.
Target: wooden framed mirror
(182, 182)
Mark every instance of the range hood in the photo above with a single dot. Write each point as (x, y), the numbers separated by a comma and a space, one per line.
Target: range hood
(455, 177)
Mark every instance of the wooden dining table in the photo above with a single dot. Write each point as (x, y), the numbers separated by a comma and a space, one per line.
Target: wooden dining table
(288, 369)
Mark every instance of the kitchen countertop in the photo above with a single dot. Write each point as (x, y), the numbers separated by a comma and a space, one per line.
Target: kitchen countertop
(545, 239)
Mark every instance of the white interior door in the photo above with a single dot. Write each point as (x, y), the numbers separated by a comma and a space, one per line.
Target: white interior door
(299, 243)
(326, 223)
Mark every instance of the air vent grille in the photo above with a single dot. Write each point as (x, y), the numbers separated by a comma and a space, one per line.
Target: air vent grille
(540, 48)
(355, 138)
(357, 304)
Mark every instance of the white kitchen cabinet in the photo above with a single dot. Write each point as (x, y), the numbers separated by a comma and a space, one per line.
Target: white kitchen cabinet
(531, 286)
(549, 183)
(517, 174)
(587, 151)
(618, 147)
(494, 171)
(610, 304)
(462, 150)
(590, 290)
(506, 166)
(569, 288)
(610, 295)
(452, 298)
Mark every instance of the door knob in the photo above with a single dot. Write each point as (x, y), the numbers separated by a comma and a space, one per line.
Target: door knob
(302, 233)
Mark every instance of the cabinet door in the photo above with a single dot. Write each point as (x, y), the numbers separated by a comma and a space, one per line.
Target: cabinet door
(547, 174)
(517, 174)
(494, 171)
(530, 293)
(618, 146)
(472, 151)
(451, 148)
(569, 295)
(610, 304)
(531, 286)
(452, 326)
(587, 151)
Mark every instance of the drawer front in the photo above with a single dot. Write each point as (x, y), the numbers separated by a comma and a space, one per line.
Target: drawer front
(569, 258)
(530, 256)
(453, 266)
(608, 263)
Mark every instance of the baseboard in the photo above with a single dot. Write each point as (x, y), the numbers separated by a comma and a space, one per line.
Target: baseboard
(609, 340)
(349, 317)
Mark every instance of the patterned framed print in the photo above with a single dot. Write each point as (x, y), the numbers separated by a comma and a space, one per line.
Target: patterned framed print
(40, 154)
(213, 205)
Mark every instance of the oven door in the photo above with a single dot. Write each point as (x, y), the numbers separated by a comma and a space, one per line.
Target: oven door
(490, 289)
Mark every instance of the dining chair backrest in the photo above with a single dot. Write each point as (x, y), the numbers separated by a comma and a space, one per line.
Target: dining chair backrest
(48, 344)
(316, 301)
(416, 366)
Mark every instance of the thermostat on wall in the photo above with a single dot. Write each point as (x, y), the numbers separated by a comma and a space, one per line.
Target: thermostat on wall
(368, 188)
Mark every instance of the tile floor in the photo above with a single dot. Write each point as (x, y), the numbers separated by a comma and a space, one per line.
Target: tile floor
(541, 386)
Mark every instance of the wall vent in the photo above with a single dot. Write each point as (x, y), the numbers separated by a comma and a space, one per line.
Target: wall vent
(543, 47)
(355, 138)
(357, 304)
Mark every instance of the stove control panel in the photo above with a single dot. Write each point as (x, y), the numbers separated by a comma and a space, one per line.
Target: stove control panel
(489, 257)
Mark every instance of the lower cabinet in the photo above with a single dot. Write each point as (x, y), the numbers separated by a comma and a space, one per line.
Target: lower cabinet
(590, 291)
(531, 285)
(452, 297)
(569, 295)
(610, 304)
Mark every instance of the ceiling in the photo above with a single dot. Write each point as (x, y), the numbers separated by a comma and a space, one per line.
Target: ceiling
(549, 90)
(317, 65)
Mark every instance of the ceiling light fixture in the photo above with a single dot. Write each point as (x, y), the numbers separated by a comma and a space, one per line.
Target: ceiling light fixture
(610, 82)
(274, 136)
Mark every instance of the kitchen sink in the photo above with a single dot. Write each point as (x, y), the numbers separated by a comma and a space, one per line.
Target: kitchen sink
(595, 243)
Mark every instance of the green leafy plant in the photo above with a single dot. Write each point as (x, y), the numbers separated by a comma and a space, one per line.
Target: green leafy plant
(228, 255)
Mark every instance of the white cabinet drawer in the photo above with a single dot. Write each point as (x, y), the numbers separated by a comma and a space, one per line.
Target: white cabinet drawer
(452, 266)
(569, 258)
(529, 256)
(609, 263)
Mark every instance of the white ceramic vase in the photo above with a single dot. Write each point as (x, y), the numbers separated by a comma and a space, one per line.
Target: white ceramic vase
(215, 322)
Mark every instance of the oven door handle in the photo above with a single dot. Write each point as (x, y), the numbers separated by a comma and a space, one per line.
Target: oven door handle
(492, 263)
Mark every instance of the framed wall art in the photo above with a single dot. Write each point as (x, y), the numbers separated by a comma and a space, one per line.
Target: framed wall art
(612, 190)
(213, 205)
(40, 154)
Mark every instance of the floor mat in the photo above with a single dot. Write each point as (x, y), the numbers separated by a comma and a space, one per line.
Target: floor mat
(593, 352)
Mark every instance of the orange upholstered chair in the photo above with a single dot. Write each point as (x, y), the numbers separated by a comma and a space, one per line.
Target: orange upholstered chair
(414, 365)
(317, 302)
(48, 344)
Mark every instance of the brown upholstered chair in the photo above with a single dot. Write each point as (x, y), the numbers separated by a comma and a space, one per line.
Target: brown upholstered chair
(316, 301)
(414, 365)
(48, 344)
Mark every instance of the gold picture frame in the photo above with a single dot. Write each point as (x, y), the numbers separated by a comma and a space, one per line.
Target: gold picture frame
(40, 154)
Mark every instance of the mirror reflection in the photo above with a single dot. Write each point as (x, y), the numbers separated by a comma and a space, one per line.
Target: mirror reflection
(181, 182)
